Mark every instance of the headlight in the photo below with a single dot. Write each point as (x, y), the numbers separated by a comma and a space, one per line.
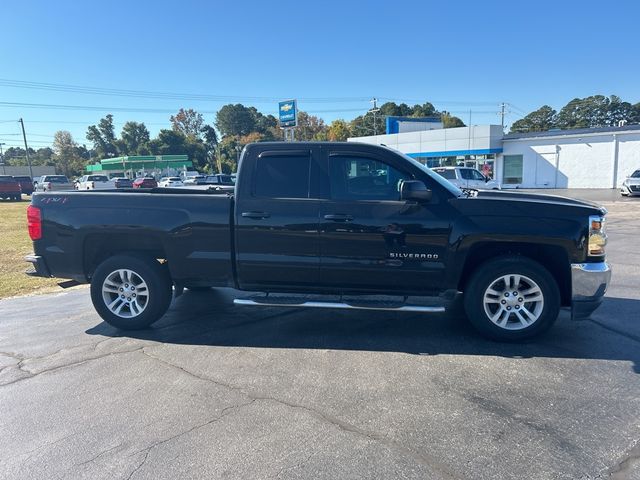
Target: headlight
(597, 235)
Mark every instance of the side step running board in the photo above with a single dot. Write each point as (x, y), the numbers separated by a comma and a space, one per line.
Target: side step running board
(314, 304)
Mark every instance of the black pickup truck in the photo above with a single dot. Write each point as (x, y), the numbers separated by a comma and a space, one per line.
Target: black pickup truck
(309, 224)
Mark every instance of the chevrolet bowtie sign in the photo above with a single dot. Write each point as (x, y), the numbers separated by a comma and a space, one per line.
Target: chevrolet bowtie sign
(288, 113)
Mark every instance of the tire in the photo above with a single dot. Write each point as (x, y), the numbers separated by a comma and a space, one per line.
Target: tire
(137, 276)
(525, 308)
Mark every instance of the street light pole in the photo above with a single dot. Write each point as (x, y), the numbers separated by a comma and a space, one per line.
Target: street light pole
(26, 149)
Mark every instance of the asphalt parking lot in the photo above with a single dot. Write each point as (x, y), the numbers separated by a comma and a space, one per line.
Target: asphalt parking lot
(217, 391)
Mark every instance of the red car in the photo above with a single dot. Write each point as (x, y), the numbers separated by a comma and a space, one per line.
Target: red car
(9, 188)
(26, 184)
(145, 182)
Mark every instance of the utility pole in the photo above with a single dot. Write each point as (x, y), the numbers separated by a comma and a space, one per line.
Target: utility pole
(374, 110)
(26, 149)
(502, 114)
(2, 158)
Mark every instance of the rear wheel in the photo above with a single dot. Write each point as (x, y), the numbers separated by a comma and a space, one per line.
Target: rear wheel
(512, 298)
(130, 292)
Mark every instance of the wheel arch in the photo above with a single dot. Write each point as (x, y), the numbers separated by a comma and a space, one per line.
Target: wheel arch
(552, 257)
(98, 247)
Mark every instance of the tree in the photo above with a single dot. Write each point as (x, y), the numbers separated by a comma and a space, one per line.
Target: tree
(188, 122)
(541, 120)
(66, 157)
(425, 110)
(168, 142)
(211, 145)
(449, 121)
(103, 138)
(134, 139)
(309, 127)
(338, 131)
(235, 120)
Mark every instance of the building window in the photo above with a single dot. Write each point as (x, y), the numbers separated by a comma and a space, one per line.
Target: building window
(512, 169)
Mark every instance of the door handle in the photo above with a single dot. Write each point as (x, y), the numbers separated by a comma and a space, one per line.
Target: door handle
(256, 215)
(339, 217)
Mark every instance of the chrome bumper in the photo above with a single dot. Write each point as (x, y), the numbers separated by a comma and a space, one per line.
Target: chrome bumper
(589, 282)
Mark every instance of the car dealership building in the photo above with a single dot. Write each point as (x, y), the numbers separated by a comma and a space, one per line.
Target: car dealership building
(581, 158)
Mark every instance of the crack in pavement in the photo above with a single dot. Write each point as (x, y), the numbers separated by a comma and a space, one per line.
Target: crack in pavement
(630, 336)
(623, 468)
(325, 418)
(28, 375)
(224, 412)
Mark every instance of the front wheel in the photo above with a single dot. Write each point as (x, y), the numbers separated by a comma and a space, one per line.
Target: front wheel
(512, 298)
(130, 292)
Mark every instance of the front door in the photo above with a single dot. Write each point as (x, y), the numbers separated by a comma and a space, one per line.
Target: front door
(370, 240)
(277, 240)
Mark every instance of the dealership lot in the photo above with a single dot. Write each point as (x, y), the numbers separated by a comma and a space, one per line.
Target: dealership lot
(217, 391)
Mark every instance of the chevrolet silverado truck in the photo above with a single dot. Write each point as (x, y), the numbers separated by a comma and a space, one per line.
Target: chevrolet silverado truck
(329, 225)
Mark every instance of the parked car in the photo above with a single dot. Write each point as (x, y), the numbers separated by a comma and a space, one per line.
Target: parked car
(631, 185)
(93, 182)
(219, 179)
(122, 182)
(26, 184)
(10, 188)
(465, 177)
(170, 182)
(184, 175)
(54, 183)
(311, 218)
(197, 180)
(145, 182)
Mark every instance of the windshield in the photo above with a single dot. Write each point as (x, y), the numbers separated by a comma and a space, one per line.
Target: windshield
(98, 178)
(436, 178)
(56, 179)
(636, 174)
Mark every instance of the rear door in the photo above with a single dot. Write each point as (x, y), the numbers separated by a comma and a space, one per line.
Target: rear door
(276, 218)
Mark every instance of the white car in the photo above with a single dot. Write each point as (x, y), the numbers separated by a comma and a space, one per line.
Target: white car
(631, 185)
(465, 177)
(170, 182)
(93, 182)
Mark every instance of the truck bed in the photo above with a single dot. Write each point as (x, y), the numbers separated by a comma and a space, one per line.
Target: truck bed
(189, 228)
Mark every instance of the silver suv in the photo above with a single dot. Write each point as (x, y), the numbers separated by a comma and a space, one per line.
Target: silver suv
(465, 177)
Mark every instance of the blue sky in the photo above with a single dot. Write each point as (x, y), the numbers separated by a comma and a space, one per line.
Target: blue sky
(332, 55)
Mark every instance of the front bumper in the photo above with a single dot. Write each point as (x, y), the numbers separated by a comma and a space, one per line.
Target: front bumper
(589, 282)
(633, 190)
(40, 268)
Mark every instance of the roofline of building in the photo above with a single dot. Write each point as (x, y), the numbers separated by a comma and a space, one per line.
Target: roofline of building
(573, 132)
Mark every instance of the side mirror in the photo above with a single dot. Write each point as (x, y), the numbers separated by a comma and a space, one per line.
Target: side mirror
(415, 190)
(486, 179)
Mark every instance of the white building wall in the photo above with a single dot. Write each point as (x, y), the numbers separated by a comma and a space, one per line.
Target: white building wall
(475, 137)
(576, 161)
(628, 155)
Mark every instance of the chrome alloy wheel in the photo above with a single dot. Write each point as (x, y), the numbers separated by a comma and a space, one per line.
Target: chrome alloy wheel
(513, 302)
(125, 293)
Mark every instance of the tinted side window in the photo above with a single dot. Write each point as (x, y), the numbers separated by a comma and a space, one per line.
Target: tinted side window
(466, 174)
(477, 175)
(282, 177)
(359, 178)
(448, 174)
